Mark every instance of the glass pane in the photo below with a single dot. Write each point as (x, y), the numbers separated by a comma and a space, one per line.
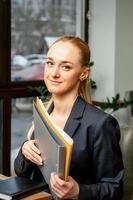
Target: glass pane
(35, 24)
(20, 124)
(1, 133)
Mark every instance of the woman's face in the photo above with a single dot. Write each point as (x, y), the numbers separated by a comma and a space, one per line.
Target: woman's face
(63, 69)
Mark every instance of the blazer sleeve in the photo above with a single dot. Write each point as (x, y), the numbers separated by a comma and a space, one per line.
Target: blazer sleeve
(25, 168)
(107, 163)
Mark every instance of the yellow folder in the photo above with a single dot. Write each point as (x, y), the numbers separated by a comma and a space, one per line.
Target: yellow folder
(62, 135)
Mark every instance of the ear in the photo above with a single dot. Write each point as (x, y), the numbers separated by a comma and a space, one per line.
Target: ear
(85, 73)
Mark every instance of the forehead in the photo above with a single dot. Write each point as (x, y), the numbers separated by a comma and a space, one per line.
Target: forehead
(64, 50)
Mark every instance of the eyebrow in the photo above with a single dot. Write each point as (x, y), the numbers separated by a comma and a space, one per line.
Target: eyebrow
(63, 61)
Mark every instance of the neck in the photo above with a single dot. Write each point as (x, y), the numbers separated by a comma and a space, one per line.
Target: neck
(63, 105)
(62, 109)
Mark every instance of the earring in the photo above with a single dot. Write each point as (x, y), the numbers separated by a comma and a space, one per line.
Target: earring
(81, 79)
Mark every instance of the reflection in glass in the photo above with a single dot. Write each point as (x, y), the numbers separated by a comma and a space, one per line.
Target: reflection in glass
(20, 123)
(35, 25)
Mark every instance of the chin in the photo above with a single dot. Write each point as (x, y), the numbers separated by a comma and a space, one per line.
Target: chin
(55, 91)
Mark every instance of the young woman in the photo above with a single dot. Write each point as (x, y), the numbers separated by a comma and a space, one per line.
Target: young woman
(96, 170)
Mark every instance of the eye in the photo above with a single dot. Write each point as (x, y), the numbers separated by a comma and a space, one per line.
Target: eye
(49, 63)
(66, 67)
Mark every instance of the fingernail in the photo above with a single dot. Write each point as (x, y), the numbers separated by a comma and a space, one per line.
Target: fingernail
(52, 174)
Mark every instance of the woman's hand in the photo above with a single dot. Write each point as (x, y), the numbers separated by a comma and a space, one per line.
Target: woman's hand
(64, 189)
(31, 152)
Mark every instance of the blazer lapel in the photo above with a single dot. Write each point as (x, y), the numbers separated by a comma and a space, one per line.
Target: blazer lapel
(75, 116)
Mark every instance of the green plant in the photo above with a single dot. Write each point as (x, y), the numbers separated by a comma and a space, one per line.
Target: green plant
(41, 90)
(116, 103)
(92, 82)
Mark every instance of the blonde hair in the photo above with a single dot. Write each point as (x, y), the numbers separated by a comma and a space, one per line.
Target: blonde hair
(84, 88)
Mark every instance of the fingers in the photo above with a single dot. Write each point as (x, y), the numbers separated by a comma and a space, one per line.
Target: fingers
(64, 189)
(31, 152)
(56, 184)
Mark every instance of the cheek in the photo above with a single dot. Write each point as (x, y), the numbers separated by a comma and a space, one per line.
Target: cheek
(74, 77)
(73, 81)
(46, 73)
(45, 76)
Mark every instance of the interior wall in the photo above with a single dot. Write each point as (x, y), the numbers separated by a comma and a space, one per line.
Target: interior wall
(111, 42)
(124, 56)
(102, 43)
(124, 46)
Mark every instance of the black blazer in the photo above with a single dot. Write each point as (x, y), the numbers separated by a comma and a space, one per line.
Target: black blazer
(96, 160)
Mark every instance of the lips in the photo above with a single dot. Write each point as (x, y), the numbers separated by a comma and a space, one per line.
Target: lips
(55, 81)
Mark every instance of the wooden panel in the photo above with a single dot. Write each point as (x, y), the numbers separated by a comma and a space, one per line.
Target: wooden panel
(39, 196)
(4, 41)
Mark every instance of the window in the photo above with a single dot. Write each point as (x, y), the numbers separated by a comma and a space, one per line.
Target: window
(29, 28)
(34, 26)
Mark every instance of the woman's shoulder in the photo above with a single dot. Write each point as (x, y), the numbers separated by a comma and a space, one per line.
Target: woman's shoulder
(100, 120)
(96, 113)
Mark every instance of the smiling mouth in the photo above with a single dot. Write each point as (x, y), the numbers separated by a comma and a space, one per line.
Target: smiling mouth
(55, 81)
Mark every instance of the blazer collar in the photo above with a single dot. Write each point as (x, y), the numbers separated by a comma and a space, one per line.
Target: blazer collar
(76, 114)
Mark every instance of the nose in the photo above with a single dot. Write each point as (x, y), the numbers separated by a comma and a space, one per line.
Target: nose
(55, 71)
